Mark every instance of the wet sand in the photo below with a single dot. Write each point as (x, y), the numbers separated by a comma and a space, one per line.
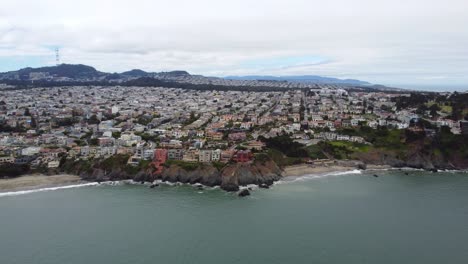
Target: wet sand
(306, 169)
(37, 181)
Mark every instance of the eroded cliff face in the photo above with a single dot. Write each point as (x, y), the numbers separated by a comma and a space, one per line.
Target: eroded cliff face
(229, 178)
(258, 173)
(415, 158)
(204, 174)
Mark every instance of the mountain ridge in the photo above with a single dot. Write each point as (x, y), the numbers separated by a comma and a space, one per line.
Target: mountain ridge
(299, 78)
(77, 71)
(77, 74)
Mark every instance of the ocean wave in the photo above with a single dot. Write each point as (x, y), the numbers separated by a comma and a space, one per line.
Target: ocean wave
(317, 176)
(249, 187)
(48, 189)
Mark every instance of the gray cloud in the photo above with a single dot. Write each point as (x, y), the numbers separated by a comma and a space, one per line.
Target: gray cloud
(390, 42)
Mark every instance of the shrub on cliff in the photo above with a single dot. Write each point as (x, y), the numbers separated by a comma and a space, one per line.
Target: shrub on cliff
(13, 170)
(286, 145)
(185, 165)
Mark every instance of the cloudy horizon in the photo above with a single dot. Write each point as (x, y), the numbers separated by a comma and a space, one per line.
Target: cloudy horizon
(395, 43)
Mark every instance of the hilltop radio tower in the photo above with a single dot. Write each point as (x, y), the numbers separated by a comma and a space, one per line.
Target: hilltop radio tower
(57, 57)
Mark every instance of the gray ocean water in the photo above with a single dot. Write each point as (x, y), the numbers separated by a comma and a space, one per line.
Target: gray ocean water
(355, 218)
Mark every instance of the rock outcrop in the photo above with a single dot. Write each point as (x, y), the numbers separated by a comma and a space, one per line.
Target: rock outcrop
(229, 178)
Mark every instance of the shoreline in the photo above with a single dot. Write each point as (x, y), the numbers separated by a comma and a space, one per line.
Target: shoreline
(31, 182)
(306, 169)
(38, 181)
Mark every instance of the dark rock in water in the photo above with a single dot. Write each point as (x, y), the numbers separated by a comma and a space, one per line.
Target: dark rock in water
(434, 170)
(264, 186)
(230, 187)
(200, 187)
(244, 193)
(250, 189)
(154, 185)
(406, 173)
(375, 175)
(142, 182)
(362, 166)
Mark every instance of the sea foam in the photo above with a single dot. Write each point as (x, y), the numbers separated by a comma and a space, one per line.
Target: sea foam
(47, 189)
(317, 176)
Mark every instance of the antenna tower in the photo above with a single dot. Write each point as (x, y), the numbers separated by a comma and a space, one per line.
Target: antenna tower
(57, 57)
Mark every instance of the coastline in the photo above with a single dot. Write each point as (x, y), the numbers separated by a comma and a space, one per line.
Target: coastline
(31, 182)
(38, 181)
(305, 169)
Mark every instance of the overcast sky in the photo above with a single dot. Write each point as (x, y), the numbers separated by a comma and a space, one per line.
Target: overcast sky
(411, 42)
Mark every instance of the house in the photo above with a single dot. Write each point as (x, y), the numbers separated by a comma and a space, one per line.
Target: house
(346, 123)
(106, 141)
(175, 154)
(226, 155)
(53, 164)
(160, 157)
(216, 155)
(242, 156)
(7, 159)
(191, 155)
(239, 136)
(204, 155)
(214, 135)
(30, 151)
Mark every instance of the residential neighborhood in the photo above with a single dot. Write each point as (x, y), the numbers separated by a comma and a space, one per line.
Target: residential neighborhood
(43, 126)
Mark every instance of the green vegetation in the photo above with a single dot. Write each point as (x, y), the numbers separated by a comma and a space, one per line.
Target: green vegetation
(93, 142)
(144, 120)
(285, 145)
(456, 104)
(449, 145)
(191, 119)
(316, 152)
(281, 160)
(342, 149)
(218, 165)
(188, 166)
(148, 137)
(113, 162)
(116, 135)
(382, 137)
(77, 166)
(133, 170)
(93, 120)
(13, 170)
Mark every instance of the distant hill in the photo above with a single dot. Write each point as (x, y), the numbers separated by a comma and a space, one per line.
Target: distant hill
(82, 74)
(299, 78)
(63, 70)
(134, 73)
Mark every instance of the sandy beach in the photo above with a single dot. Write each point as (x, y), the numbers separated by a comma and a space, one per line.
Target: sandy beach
(304, 169)
(37, 181)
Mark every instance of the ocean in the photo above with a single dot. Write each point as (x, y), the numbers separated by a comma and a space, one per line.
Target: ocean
(348, 218)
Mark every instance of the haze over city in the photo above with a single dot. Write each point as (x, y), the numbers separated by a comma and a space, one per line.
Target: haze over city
(413, 44)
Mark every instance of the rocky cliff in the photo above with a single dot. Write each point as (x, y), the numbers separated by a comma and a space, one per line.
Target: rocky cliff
(413, 159)
(229, 178)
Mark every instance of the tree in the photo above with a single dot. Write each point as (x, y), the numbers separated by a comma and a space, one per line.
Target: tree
(33, 122)
(93, 120)
(434, 108)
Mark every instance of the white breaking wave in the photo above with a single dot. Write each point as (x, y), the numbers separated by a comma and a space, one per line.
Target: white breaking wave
(48, 189)
(317, 176)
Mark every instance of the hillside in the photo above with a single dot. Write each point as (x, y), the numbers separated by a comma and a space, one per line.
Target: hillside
(300, 79)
